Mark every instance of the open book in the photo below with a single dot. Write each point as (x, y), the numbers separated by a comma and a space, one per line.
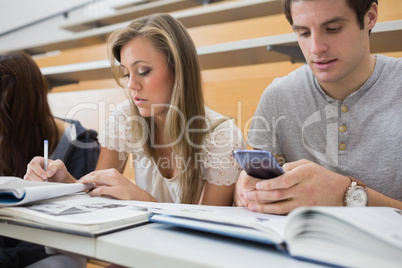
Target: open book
(16, 191)
(342, 236)
(76, 213)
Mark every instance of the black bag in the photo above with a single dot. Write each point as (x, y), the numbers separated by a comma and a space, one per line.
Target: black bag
(80, 154)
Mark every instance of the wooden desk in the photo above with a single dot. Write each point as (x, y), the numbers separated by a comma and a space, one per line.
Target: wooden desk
(161, 245)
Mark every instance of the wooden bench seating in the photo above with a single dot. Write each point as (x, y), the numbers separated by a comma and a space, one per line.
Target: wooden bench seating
(385, 37)
(223, 11)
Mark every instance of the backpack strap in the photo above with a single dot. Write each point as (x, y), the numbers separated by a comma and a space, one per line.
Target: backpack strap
(82, 133)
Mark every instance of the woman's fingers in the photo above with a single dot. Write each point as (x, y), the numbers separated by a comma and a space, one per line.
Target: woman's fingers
(35, 170)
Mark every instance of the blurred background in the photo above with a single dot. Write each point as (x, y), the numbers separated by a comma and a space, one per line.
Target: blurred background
(25, 22)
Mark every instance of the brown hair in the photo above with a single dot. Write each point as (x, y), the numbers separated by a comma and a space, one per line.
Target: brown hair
(171, 38)
(359, 6)
(25, 117)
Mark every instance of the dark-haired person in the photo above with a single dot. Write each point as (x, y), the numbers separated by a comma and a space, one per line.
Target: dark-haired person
(25, 122)
(336, 122)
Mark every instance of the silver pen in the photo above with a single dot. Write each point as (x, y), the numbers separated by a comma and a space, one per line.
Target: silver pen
(46, 154)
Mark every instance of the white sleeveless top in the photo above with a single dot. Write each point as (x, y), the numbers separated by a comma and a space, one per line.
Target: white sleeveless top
(217, 162)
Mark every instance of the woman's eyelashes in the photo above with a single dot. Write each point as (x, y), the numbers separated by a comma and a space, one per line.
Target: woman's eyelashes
(139, 72)
(144, 72)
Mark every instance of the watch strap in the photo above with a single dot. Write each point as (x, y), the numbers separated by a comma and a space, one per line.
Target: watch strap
(358, 182)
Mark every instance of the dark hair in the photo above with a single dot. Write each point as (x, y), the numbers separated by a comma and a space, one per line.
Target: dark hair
(25, 117)
(359, 6)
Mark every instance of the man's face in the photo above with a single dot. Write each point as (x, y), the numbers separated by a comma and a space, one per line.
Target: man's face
(331, 39)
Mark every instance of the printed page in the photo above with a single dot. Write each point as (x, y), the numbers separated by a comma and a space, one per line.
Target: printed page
(271, 225)
(78, 208)
(79, 212)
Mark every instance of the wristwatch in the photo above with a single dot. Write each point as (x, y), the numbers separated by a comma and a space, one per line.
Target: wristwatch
(356, 195)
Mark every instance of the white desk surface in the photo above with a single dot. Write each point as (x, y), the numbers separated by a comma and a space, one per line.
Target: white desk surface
(161, 245)
(72, 243)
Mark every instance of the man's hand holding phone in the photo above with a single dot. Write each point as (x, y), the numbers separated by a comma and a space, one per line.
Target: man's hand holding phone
(257, 165)
(303, 183)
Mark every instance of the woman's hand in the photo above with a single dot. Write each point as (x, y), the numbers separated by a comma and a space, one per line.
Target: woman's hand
(56, 171)
(111, 182)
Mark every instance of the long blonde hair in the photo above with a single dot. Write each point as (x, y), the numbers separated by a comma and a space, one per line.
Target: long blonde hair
(171, 38)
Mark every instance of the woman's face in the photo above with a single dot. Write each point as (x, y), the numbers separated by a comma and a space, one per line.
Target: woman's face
(148, 77)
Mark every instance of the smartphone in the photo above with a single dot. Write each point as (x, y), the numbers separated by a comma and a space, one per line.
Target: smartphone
(258, 163)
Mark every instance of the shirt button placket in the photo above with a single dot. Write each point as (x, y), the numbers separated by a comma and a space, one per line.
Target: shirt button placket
(343, 134)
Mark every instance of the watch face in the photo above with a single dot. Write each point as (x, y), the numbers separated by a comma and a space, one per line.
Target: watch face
(356, 197)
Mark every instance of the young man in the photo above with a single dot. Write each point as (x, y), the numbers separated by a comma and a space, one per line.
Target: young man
(336, 121)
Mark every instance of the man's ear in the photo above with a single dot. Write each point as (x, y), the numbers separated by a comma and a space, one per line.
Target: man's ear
(371, 17)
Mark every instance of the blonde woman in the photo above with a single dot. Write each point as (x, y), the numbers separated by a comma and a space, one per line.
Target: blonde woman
(182, 150)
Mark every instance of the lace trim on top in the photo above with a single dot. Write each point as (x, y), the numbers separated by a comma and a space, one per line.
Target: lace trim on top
(217, 162)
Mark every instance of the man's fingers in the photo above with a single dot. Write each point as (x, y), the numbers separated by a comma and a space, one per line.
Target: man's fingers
(285, 181)
(292, 165)
(266, 196)
(246, 181)
(279, 208)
